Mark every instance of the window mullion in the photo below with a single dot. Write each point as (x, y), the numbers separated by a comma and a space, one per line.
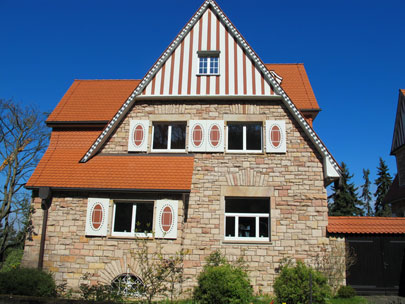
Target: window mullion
(257, 226)
(133, 222)
(236, 226)
(244, 138)
(169, 138)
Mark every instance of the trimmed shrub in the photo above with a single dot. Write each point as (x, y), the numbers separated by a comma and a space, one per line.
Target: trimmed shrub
(346, 292)
(27, 282)
(292, 285)
(221, 282)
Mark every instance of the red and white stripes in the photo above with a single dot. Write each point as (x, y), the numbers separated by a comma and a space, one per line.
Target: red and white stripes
(237, 73)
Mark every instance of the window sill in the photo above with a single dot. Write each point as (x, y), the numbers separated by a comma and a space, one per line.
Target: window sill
(208, 75)
(116, 237)
(168, 151)
(252, 242)
(245, 151)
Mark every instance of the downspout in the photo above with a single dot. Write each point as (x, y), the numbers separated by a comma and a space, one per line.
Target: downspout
(45, 195)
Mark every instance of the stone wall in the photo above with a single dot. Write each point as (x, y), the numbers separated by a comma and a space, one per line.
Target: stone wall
(292, 181)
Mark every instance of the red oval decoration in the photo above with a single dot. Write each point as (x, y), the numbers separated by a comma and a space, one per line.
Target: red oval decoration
(215, 135)
(197, 135)
(275, 136)
(138, 135)
(97, 216)
(167, 219)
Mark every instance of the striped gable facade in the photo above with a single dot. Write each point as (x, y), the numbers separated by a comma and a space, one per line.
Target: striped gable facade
(237, 75)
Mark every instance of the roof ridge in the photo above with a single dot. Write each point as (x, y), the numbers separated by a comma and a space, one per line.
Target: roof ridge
(366, 217)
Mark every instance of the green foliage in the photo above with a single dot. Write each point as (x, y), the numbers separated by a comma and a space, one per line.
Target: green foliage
(346, 292)
(383, 183)
(355, 300)
(13, 260)
(344, 200)
(222, 282)
(366, 194)
(99, 292)
(292, 286)
(27, 282)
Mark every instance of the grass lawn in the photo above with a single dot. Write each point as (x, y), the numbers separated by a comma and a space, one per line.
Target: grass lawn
(355, 300)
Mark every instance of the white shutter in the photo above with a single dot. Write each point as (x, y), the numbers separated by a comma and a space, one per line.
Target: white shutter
(215, 135)
(197, 138)
(166, 219)
(97, 216)
(138, 135)
(275, 136)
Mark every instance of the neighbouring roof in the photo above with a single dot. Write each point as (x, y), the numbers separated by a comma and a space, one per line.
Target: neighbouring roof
(92, 100)
(99, 100)
(366, 225)
(398, 139)
(296, 84)
(395, 192)
(60, 167)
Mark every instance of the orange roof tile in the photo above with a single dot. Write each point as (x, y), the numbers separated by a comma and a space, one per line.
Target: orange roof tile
(60, 167)
(366, 224)
(93, 100)
(296, 84)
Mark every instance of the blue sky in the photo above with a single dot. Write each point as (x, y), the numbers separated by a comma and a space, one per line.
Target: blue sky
(353, 52)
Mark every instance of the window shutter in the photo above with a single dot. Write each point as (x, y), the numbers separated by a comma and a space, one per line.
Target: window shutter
(275, 136)
(97, 216)
(138, 136)
(196, 136)
(166, 219)
(215, 135)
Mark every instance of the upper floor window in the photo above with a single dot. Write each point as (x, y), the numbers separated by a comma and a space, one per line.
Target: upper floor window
(169, 137)
(245, 137)
(208, 62)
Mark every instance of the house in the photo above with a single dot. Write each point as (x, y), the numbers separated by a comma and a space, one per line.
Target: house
(396, 194)
(212, 149)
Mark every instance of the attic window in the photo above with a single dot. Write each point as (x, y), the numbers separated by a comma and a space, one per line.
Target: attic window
(208, 62)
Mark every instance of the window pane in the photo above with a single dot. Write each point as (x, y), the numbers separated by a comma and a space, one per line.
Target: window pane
(123, 217)
(253, 136)
(230, 226)
(214, 65)
(203, 65)
(160, 132)
(247, 227)
(178, 139)
(264, 227)
(235, 137)
(247, 205)
(144, 217)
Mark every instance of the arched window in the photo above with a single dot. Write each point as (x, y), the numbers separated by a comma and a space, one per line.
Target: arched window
(128, 285)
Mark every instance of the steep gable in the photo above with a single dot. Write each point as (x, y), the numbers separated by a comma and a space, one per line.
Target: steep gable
(398, 139)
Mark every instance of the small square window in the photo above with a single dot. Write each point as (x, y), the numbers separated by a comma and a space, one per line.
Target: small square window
(208, 62)
(169, 137)
(245, 137)
(247, 219)
(132, 219)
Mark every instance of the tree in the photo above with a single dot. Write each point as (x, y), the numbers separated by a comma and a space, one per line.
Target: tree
(23, 139)
(344, 200)
(383, 183)
(366, 194)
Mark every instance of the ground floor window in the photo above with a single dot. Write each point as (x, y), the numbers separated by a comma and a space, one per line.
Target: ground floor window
(247, 218)
(128, 285)
(133, 218)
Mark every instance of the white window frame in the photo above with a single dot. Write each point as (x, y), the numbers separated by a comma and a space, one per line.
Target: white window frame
(257, 217)
(132, 233)
(244, 150)
(169, 136)
(209, 55)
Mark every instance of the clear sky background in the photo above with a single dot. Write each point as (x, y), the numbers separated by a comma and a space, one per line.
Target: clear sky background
(353, 51)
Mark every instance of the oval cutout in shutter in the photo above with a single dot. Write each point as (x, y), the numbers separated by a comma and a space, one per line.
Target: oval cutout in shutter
(167, 219)
(138, 135)
(275, 136)
(215, 135)
(97, 217)
(197, 135)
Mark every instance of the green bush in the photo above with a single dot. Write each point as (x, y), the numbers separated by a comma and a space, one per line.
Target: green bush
(346, 292)
(292, 285)
(221, 282)
(13, 260)
(27, 282)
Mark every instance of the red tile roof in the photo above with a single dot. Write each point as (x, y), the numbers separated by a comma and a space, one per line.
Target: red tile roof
(93, 100)
(60, 167)
(296, 84)
(366, 225)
